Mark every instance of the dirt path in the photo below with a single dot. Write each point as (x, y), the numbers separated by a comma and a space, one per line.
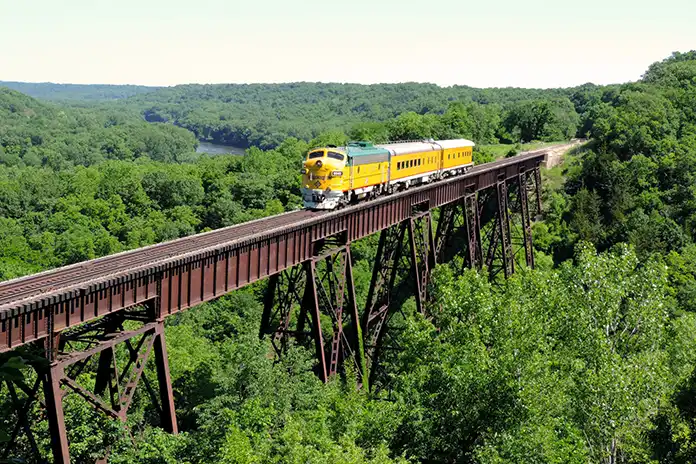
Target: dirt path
(554, 153)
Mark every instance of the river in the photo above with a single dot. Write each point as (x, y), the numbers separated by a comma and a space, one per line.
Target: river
(216, 149)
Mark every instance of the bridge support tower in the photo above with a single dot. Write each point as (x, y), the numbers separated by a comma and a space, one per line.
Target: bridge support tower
(486, 229)
(114, 351)
(297, 298)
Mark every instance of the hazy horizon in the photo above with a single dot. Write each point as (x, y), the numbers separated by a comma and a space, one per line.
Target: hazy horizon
(298, 82)
(504, 44)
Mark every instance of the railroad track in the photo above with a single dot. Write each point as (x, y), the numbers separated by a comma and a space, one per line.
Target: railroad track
(13, 291)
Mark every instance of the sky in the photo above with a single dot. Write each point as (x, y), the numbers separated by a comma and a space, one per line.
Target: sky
(483, 43)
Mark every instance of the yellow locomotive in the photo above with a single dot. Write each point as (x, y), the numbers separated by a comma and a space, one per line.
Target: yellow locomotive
(335, 176)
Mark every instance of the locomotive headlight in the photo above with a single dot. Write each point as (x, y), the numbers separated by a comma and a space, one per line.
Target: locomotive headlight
(303, 171)
(319, 164)
(336, 173)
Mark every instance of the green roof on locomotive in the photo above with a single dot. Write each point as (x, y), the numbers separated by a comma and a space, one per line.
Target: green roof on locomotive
(358, 149)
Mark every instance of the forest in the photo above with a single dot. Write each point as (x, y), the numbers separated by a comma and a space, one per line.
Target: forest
(264, 115)
(589, 358)
(76, 92)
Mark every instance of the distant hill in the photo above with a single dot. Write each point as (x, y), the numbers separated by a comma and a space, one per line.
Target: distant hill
(77, 92)
(40, 133)
(263, 115)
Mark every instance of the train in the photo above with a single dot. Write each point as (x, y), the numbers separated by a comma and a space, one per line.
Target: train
(333, 177)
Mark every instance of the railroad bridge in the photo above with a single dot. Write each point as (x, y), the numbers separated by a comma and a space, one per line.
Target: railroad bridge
(77, 316)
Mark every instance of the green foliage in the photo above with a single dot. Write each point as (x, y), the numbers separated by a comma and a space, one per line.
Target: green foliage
(49, 218)
(564, 366)
(260, 115)
(642, 121)
(263, 115)
(34, 134)
(76, 92)
(546, 120)
(335, 138)
(636, 185)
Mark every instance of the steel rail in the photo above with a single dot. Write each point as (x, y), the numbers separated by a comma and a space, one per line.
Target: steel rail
(17, 289)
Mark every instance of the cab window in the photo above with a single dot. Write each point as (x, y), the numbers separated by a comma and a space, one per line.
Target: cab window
(316, 154)
(334, 155)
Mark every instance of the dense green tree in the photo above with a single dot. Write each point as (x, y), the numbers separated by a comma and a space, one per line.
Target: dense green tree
(564, 366)
(639, 176)
(540, 120)
(34, 133)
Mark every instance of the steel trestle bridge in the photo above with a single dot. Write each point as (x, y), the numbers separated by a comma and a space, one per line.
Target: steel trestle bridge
(78, 316)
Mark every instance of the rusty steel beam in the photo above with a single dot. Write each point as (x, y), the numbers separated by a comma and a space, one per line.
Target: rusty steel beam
(446, 229)
(493, 240)
(22, 410)
(326, 282)
(422, 256)
(526, 221)
(537, 187)
(406, 252)
(164, 380)
(383, 295)
(113, 390)
(459, 229)
(54, 411)
(504, 228)
(285, 292)
(473, 231)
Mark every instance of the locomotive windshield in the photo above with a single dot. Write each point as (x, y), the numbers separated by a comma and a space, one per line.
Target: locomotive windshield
(334, 155)
(316, 154)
